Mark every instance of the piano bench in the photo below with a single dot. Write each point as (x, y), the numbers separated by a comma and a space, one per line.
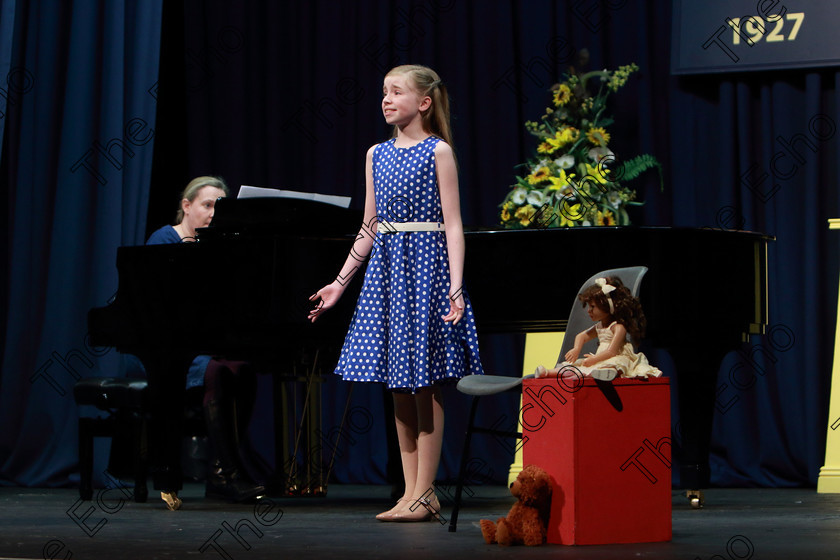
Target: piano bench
(126, 401)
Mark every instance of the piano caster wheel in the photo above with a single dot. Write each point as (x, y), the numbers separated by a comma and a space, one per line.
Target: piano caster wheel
(173, 502)
(314, 492)
(696, 498)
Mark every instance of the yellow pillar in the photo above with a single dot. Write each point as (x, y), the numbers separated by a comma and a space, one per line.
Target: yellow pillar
(829, 480)
(541, 349)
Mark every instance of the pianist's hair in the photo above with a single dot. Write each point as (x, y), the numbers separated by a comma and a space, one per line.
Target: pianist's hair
(192, 191)
(628, 309)
(427, 82)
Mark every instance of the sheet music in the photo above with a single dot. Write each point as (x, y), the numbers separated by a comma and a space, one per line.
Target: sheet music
(246, 191)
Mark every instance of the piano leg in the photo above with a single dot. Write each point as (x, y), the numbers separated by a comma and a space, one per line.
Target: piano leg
(279, 482)
(167, 373)
(696, 384)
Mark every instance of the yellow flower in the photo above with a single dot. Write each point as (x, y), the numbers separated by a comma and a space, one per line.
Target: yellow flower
(598, 136)
(545, 148)
(559, 181)
(569, 214)
(562, 95)
(605, 218)
(525, 214)
(562, 137)
(599, 174)
(570, 134)
(619, 77)
(539, 175)
(505, 215)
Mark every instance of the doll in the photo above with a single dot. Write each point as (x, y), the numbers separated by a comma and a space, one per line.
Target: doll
(617, 314)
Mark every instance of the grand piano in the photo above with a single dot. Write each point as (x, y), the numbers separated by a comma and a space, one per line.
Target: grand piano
(254, 269)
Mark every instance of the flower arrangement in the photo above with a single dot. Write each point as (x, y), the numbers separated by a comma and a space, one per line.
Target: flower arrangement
(575, 180)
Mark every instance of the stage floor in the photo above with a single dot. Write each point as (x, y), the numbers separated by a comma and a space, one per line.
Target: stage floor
(735, 524)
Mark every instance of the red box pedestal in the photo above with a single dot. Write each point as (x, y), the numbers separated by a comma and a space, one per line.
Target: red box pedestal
(608, 451)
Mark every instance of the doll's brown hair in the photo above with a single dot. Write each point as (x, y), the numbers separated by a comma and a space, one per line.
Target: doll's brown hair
(627, 308)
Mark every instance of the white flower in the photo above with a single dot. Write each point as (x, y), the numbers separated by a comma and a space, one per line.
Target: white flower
(565, 162)
(614, 199)
(601, 152)
(536, 198)
(518, 196)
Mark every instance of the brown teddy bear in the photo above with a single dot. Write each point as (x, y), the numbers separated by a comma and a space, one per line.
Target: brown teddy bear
(527, 520)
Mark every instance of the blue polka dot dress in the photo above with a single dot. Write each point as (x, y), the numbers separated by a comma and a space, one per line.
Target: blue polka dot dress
(397, 335)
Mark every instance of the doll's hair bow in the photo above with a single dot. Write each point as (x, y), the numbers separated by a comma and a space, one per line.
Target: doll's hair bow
(606, 289)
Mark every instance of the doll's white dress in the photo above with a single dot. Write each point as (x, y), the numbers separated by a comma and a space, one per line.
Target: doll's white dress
(628, 362)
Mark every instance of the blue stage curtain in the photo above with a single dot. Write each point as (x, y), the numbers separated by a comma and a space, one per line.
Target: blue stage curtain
(8, 80)
(76, 173)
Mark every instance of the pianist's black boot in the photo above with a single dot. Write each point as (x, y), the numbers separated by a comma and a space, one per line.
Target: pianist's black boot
(226, 480)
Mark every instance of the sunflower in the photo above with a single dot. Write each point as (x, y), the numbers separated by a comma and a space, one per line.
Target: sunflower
(525, 214)
(545, 148)
(562, 137)
(505, 214)
(605, 218)
(562, 95)
(539, 175)
(597, 136)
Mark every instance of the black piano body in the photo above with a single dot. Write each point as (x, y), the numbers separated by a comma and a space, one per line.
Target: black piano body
(253, 281)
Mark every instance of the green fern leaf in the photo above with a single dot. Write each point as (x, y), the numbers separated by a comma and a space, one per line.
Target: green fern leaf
(632, 168)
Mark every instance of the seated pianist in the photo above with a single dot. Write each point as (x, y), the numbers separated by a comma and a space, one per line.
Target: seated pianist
(229, 386)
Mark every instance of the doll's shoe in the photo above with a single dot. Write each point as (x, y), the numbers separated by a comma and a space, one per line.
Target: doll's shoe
(172, 500)
(420, 510)
(539, 372)
(389, 515)
(605, 374)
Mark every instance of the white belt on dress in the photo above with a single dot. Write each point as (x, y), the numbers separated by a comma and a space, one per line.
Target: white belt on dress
(393, 227)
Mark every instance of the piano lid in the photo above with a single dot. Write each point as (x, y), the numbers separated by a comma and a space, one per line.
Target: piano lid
(234, 217)
(710, 282)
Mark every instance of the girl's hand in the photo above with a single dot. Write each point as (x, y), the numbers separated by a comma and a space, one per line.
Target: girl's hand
(456, 310)
(329, 296)
(589, 360)
(572, 355)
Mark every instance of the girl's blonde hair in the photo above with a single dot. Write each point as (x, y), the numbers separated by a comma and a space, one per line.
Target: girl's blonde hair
(427, 82)
(192, 191)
